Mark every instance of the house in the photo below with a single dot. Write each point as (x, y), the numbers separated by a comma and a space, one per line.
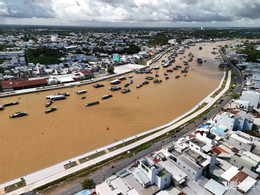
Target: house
(154, 173)
(215, 187)
(239, 161)
(251, 96)
(240, 142)
(205, 136)
(234, 119)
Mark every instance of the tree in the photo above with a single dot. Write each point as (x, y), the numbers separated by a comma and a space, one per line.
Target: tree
(235, 96)
(110, 69)
(88, 184)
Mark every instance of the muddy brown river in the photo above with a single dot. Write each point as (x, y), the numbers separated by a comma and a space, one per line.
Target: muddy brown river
(39, 140)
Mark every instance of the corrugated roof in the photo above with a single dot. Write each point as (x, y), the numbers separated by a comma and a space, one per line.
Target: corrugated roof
(239, 177)
(215, 187)
(22, 83)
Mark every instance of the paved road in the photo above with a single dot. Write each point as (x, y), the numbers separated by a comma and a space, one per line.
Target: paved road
(105, 173)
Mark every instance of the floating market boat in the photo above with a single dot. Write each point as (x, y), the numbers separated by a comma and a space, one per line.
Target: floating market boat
(18, 114)
(51, 109)
(106, 97)
(92, 103)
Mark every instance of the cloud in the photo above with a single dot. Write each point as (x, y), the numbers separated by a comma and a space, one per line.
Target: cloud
(133, 11)
(26, 9)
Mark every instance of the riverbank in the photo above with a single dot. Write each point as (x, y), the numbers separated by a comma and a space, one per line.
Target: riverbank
(74, 129)
(47, 175)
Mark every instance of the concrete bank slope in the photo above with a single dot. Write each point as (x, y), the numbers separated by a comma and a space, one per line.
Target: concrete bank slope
(57, 171)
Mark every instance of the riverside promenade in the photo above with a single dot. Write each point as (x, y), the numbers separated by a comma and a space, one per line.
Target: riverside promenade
(57, 171)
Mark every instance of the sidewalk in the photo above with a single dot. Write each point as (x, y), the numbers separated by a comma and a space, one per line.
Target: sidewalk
(57, 171)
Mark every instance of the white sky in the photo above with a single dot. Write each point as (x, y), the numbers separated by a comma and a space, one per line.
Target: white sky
(136, 13)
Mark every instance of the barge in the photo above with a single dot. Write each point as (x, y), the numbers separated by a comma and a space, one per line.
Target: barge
(18, 114)
(106, 96)
(51, 109)
(98, 85)
(81, 92)
(10, 104)
(48, 103)
(92, 103)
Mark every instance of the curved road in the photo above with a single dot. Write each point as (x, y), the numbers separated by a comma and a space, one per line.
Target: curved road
(101, 175)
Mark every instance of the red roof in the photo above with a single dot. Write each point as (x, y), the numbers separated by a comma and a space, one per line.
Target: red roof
(85, 72)
(22, 83)
(218, 150)
(191, 135)
(156, 160)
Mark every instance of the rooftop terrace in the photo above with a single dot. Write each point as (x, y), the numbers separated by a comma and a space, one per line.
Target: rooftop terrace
(198, 142)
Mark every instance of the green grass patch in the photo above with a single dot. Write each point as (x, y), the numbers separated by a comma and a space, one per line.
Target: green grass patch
(70, 165)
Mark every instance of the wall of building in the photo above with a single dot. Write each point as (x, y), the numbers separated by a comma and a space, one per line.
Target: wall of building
(164, 182)
(187, 169)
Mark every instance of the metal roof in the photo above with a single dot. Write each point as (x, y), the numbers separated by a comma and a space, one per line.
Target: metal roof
(215, 187)
(22, 83)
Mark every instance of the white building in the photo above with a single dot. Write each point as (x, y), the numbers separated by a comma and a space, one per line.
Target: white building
(239, 121)
(255, 80)
(252, 97)
(54, 38)
(155, 173)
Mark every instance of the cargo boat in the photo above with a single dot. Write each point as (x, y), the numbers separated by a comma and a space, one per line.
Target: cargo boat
(125, 90)
(11, 104)
(65, 94)
(18, 114)
(149, 78)
(157, 81)
(48, 103)
(81, 92)
(115, 82)
(115, 88)
(92, 103)
(98, 85)
(51, 109)
(106, 97)
(58, 97)
(138, 86)
(122, 78)
(145, 82)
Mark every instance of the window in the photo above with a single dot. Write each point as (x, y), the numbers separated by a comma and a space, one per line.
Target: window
(178, 163)
(193, 173)
(184, 167)
(191, 145)
(188, 170)
(165, 179)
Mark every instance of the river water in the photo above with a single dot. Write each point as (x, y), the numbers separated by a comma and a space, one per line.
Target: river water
(39, 140)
